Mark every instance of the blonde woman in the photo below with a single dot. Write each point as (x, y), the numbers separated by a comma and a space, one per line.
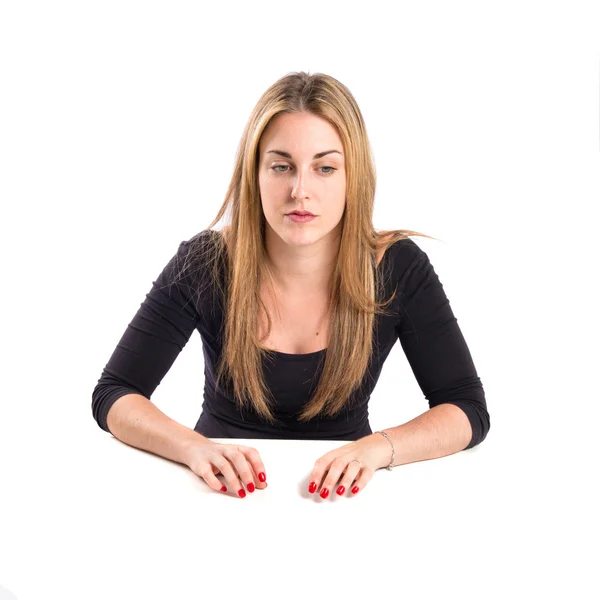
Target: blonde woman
(298, 302)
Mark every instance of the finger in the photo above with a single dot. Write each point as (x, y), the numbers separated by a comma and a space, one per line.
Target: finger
(207, 473)
(257, 465)
(233, 481)
(351, 473)
(336, 468)
(318, 474)
(365, 476)
(238, 460)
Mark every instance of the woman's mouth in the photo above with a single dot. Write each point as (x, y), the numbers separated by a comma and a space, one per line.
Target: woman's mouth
(296, 218)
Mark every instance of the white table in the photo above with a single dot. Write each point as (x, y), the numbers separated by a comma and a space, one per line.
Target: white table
(100, 519)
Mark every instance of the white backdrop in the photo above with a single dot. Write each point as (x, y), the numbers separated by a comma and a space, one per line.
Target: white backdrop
(119, 123)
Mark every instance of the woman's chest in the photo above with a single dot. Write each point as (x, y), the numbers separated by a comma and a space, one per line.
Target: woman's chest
(299, 325)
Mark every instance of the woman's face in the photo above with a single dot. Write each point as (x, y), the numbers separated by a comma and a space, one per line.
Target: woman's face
(292, 176)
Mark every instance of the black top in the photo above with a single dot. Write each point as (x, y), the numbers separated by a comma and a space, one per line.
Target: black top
(420, 316)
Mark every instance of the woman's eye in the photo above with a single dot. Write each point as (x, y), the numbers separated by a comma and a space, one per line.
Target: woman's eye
(276, 167)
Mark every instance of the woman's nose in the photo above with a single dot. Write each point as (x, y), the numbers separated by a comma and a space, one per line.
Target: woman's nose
(298, 190)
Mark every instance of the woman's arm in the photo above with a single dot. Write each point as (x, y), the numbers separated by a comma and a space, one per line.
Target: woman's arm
(440, 359)
(136, 421)
(442, 430)
(152, 341)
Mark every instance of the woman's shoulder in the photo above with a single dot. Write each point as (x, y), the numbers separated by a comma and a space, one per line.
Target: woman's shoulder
(202, 237)
(193, 256)
(400, 252)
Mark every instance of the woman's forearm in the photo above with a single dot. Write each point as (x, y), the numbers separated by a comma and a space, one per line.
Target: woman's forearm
(136, 421)
(442, 430)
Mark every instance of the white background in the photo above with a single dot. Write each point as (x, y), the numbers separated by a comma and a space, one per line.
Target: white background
(119, 123)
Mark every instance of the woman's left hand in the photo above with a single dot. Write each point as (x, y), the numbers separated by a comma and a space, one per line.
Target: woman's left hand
(338, 471)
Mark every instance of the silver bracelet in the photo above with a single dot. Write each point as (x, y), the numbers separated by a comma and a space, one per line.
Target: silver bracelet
(389, 467)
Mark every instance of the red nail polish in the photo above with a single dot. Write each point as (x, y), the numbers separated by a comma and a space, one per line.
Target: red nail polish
(312, 488)
(250, 487)
(324, 493)
(341, 490)
(262, 477)
(242, 494)
(223, 489)
(355, 489)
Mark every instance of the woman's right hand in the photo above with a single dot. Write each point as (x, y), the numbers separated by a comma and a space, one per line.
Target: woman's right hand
(241, 466)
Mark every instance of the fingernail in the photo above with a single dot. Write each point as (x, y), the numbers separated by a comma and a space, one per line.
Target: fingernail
(324, 493)
(312, 488)
(223, 489)
(242, 494)
(355, 489)
(262, 477)
(250, 487)
(341, 490)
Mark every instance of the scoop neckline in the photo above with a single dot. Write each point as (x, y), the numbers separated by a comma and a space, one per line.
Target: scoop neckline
(287, 355)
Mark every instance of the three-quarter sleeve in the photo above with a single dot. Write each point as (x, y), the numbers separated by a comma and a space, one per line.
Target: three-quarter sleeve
(152, 341)
(435, 346)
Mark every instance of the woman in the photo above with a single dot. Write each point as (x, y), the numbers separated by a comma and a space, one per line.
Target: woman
(298, 302)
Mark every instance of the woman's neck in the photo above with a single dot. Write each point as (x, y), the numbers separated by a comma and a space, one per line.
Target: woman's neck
(302, 270)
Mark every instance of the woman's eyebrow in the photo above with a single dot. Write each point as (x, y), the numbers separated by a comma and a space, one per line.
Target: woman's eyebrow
(317, 155)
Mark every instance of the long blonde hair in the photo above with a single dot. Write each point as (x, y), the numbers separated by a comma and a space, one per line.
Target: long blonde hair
(241, 246)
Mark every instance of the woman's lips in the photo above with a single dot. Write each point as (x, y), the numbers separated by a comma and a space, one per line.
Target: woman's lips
(301, 218)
